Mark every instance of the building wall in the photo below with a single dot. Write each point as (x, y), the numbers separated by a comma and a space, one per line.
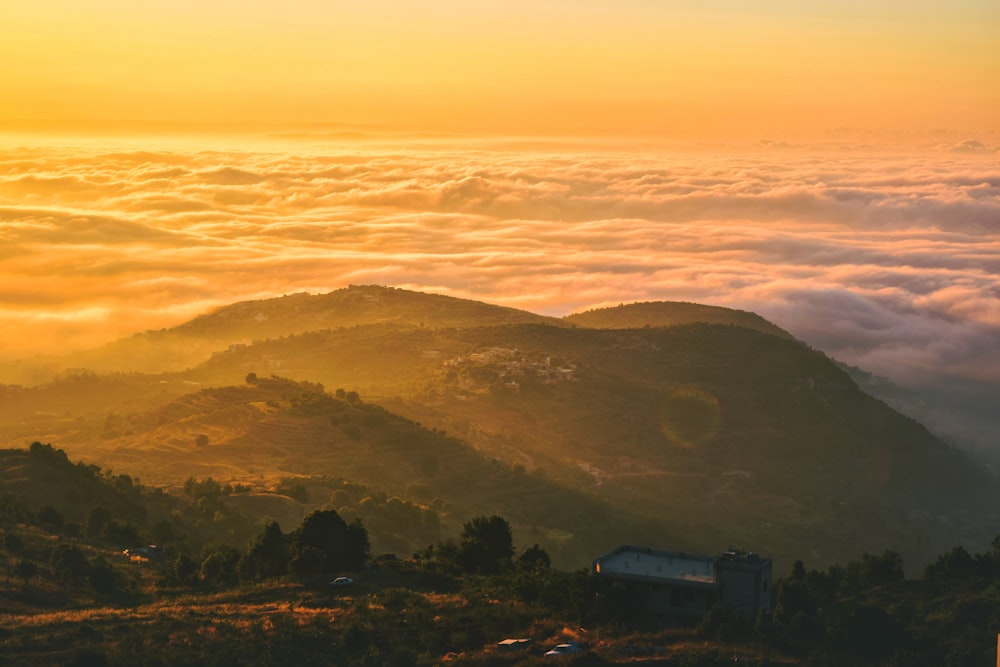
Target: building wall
(745, 586)
(679, 601)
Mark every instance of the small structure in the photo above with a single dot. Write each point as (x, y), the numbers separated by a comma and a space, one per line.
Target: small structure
(674, 585)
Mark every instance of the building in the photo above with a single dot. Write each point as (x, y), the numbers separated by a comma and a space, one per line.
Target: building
(674, 585)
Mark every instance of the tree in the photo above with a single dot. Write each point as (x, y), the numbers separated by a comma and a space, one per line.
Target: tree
(97, 518)
(218, 565)
(120, 533)
(13, 543)
(102, 576)
(880, 570)
(344, 546)
(185, 569)
(487, 545)
(50, 518)
(956, 564)
(307, 560)
(267, 556)
(69, 563)
(49, 454)
(534, 559)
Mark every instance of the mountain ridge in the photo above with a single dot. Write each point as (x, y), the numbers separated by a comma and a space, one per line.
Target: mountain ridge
(192, 342)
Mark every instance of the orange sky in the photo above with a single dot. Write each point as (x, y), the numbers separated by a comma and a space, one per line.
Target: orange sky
(712, 69)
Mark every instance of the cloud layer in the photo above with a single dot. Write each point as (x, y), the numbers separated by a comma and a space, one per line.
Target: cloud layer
(888, 261)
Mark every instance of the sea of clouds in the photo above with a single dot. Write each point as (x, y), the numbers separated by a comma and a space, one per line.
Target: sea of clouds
(886, 260)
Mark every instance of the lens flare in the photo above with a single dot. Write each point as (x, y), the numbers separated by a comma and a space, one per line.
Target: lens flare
(690, 417)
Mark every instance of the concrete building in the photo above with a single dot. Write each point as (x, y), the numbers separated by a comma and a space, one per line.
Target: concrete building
(674, 585)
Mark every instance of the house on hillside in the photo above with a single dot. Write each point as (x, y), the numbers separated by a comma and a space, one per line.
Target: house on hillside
(678, 586)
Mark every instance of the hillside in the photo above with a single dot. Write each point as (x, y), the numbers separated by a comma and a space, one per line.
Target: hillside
(343, 450)
(692, 434)
(71, 596)
(43, 476)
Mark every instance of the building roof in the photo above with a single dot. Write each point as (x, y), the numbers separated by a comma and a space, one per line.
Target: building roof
(646, 563)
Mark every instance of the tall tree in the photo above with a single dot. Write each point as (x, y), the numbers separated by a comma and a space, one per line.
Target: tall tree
(487, 545)
(344, 546)
(267, 556)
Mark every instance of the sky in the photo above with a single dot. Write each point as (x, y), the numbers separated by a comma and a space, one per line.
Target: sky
(682, 68)
(832, 166)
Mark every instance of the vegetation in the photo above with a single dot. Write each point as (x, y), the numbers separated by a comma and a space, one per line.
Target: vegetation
(471, 460)
(70, 598)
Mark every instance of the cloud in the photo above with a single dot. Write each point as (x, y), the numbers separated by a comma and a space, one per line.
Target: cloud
(890, 261)
(230, 176)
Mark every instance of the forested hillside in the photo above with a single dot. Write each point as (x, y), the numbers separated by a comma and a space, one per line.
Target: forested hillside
(89, 592)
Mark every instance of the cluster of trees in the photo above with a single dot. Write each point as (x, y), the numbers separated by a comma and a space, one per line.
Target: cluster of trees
(486, 547)
(402, 526)
(64, 563)
(867, 612)
(324, 543)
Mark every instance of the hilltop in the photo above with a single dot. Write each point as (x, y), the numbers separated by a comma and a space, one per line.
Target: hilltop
(178, 348)
(242, 323)
(668, 314)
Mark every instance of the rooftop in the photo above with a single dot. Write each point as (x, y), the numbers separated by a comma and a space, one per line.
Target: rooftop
(654, 564)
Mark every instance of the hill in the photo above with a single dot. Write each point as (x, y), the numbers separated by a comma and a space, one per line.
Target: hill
(270, 434)
(668, 314)
(183, 346)
(685, 435)
(44, 476)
